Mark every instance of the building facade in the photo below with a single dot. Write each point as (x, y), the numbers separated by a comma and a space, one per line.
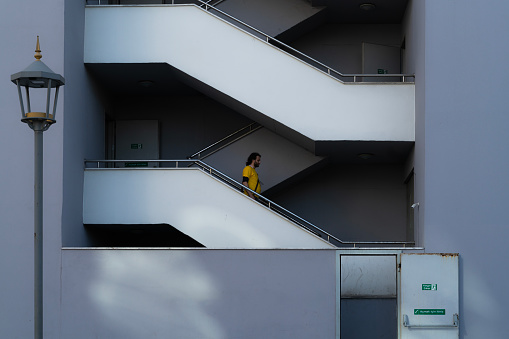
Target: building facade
(407, 162)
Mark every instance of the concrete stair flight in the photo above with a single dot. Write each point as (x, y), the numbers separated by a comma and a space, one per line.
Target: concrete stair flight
(272, 87)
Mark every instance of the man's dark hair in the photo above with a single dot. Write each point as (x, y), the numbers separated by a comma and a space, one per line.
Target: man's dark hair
(252, 157)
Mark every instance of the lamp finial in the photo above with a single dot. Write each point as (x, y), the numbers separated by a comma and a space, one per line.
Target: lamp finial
(38, 54)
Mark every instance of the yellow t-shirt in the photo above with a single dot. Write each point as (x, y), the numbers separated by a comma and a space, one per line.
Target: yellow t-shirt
(252, 176)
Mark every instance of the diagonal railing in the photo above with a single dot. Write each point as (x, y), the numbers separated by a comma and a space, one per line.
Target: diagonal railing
(209, 7)
(226, 141)
(180, 164)
(211, 2)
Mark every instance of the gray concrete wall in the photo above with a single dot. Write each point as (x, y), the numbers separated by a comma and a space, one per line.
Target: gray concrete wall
(20, 23)
(340, 46)
(414, 62)
(84, 126)
(198, 294)
(190, 123)
(465, 185)
(187, 124)
(352, 202)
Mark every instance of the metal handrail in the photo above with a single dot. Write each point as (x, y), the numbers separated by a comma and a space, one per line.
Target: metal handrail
(330, 70)
(206, 3)
(303, 57)
(215, 4)
(455, 323)
(261, 199)
(233, 137)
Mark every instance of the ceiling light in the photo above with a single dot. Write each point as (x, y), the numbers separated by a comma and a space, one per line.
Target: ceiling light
(365, 156)
(146, 83)
(367, 7)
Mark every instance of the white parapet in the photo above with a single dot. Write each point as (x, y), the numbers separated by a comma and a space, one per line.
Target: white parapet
(212, 213)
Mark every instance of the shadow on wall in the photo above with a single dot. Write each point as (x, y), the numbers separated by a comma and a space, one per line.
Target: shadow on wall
(198, 294)
(158, 235)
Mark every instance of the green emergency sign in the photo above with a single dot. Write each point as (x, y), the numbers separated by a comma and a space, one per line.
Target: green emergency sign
(136, 164)
(428, 311)
(429, 287)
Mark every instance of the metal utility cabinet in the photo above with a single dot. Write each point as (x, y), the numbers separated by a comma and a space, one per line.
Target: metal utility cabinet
(429, 297)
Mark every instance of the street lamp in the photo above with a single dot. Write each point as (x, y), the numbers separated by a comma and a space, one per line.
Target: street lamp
(38, 76)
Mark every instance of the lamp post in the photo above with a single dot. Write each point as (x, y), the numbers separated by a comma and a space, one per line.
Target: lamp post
(38, 76)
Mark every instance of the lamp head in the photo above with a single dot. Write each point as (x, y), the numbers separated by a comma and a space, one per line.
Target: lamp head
(37, 75)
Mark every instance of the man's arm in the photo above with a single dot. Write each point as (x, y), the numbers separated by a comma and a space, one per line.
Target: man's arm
(245, 181)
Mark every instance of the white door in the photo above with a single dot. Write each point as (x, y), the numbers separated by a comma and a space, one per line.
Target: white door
(137, 140)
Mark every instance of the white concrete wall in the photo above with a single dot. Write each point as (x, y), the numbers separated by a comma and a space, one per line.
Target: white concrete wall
(269, 16)
(281, 159)
(20, 23)
(188, 294)
(207, 210)
(251, 71)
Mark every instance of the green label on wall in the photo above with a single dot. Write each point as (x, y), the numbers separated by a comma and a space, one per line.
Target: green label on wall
(427, 311)
(429, 287)
(136, 146)
(136, 164)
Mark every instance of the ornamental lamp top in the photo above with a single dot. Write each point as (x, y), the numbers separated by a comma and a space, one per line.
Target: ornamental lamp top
(37, 74)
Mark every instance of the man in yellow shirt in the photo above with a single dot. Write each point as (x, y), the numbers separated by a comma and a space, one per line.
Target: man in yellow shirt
(249, 175)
